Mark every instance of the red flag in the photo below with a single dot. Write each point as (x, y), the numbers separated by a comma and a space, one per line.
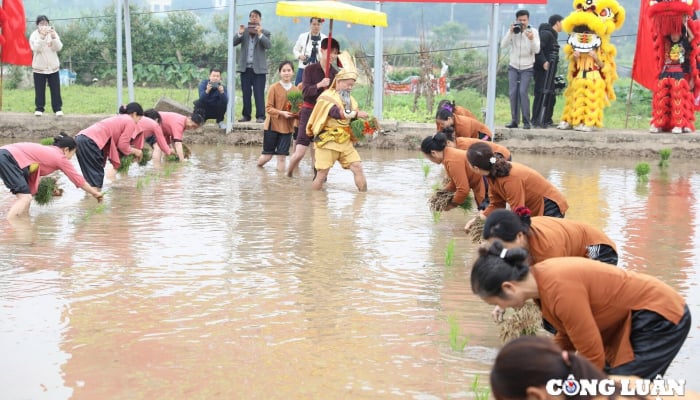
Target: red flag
(15, 49)
(644, 67)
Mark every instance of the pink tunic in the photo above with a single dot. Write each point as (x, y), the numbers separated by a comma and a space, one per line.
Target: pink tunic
(146, 128)
(173, 125)
(116, 132)
(49, 158)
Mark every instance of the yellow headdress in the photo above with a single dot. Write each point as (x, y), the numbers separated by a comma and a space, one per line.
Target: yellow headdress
(347, 65)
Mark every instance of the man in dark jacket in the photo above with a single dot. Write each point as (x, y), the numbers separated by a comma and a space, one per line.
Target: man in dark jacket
(546, 58)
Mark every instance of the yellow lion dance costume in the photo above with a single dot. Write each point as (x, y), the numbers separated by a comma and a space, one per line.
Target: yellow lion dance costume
(591, 56)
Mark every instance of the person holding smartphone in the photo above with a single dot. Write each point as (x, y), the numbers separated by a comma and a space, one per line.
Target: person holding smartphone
(252, 65)
(46, 44)
(213, 97)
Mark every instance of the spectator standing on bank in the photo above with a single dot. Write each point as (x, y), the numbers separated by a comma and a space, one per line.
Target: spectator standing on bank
(252, 65)
(46, 44)
(523, 42)
(213, 97)
(544, 60)
(307, 47)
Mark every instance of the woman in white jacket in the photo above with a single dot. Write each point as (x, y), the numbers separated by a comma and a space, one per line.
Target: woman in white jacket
(307, 47)
(46, 44)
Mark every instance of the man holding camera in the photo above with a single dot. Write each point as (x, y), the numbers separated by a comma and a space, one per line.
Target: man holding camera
(306, 48)
(213, 97)
(252, 65)
(546, 59)
(523, 43)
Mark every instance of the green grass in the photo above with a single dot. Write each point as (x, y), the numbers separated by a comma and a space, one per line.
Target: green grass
(480, 392)
(78, 99)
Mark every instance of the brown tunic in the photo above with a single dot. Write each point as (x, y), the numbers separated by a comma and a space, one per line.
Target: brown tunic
(523, 187)
(464, 143)
(469, 127)
(276, 102)
(590, 304)
(557, 237)
(462, 177)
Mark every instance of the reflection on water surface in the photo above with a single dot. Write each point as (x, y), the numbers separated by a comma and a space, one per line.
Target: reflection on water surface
(222, 280)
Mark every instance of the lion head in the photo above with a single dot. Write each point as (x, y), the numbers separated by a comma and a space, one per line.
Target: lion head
(592, 22)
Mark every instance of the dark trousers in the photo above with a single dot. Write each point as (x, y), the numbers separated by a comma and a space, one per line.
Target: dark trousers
(253, 84)
(215, 111)
(538, 101)
(40, 81)
(655, 341)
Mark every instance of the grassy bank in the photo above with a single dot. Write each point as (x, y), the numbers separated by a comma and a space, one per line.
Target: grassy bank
(102, 100)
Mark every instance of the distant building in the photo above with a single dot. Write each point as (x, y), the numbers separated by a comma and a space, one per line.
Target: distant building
(167, 5)
(159, 5)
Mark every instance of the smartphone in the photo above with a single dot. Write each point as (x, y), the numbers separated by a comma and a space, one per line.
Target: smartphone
(252, 28)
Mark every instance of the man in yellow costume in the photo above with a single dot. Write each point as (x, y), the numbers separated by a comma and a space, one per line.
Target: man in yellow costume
(329, 126)
(591, 56)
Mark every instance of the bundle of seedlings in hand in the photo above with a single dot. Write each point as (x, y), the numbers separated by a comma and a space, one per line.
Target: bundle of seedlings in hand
(525, 321)
(295, 98)
(363, 127)
(125, 163)
(442, 198)
(47, 141)
(476, 230)
(146, 156)
(48, 189)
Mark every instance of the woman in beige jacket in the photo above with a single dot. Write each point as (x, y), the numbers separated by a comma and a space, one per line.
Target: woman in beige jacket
(46, 44)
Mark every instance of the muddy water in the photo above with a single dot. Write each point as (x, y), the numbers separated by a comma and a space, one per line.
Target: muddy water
(218, 279)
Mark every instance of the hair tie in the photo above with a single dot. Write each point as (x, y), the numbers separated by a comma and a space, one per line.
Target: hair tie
(492, 160)
(503, 253)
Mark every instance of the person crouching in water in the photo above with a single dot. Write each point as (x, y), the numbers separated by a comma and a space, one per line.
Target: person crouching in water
(329, 125)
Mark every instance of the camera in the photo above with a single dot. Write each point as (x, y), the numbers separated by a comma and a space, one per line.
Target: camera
(313, 58)
(215, 85)
(252, 28)
(518, 27)
(559, 84)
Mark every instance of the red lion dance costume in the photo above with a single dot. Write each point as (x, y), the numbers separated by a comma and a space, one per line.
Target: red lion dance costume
(591, 56)
(676, 38)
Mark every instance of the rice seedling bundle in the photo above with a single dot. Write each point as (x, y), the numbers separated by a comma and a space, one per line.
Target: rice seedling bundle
(146, 157)
(48, 189)
(48, 141)
(363, 127)
(125, 163)
(441, 198)
(526, 321)
(295, 98)
(476, 230)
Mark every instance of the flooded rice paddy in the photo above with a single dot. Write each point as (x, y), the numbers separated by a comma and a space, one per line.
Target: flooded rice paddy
(218, 279)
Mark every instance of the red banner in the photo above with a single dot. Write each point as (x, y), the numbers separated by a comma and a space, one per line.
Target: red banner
(15, 49)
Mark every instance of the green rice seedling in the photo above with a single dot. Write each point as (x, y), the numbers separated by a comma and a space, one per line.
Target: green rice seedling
(426, 168)
(146, 157)
(48, 189)
(125, 164)
(48, 141)
(642, 169)
(172, 158)
(449, 253)
(458, 341)
(436, 216)
(480, 392)
(665, 155)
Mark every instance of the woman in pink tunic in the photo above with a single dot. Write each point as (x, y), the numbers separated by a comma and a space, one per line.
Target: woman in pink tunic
(108, 140)
(22, 165)
(174, 126)
(149, 130)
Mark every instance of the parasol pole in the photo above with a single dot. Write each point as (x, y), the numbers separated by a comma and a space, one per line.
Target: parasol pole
(329, 49)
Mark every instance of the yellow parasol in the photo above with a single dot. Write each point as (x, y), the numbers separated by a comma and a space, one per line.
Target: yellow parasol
(332, 10)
